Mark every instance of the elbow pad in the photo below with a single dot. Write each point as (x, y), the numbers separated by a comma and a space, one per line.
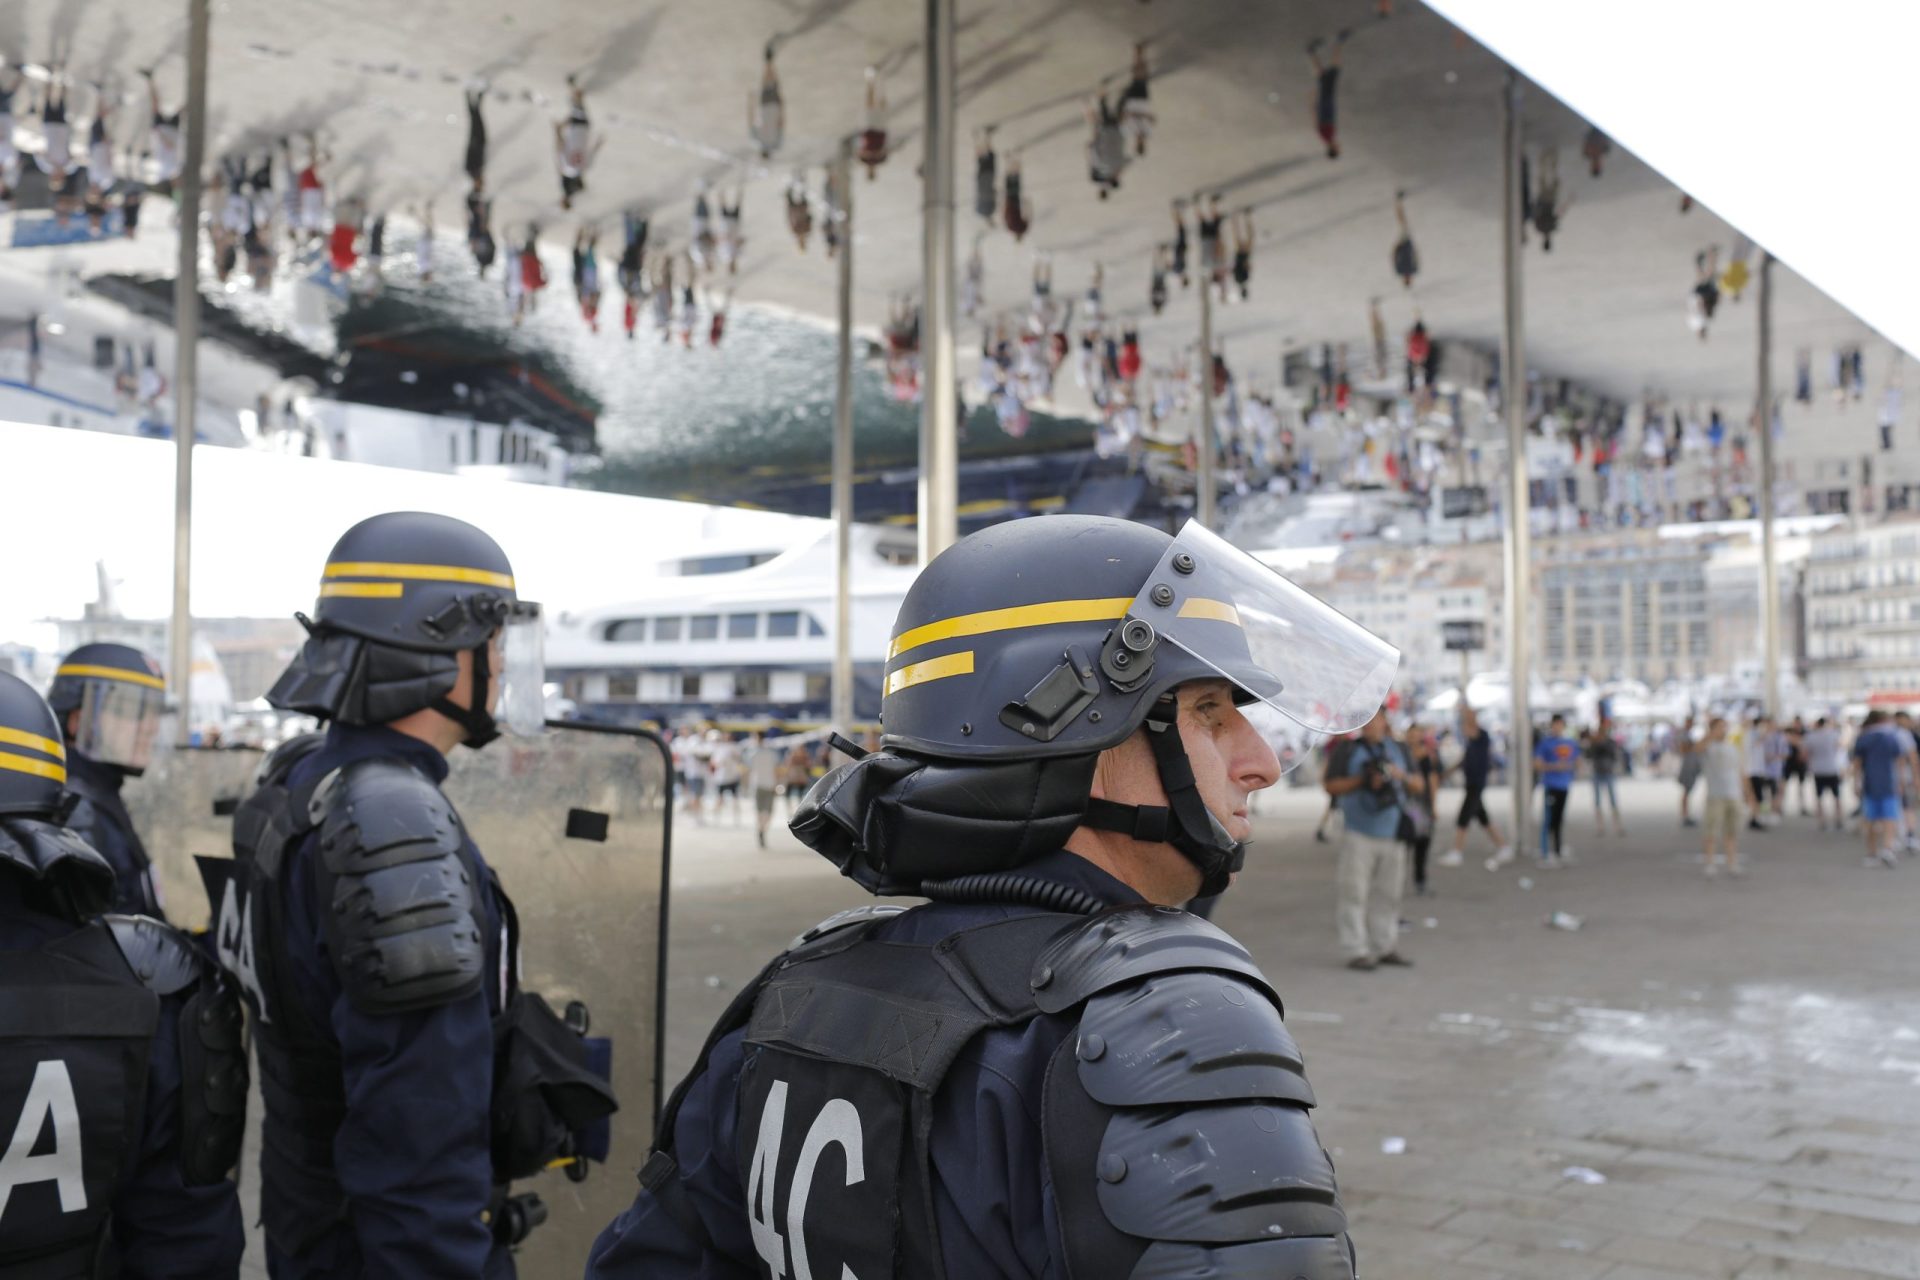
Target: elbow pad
(397, 892)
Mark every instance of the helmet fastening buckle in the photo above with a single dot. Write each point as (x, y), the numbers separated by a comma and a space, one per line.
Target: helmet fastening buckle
(1127, 655)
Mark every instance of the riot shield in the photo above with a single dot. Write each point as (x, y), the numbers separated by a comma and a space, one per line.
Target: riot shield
(182, 806)
(576, 825)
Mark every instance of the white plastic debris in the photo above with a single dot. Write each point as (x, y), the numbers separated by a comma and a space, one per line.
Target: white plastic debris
(1580, 1173)
(1430, 923)
(1564, 920)
(1526, 882)
(1393, 1146)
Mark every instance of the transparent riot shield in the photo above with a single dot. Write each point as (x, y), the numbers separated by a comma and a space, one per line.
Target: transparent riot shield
(576, 825)
(182, 806)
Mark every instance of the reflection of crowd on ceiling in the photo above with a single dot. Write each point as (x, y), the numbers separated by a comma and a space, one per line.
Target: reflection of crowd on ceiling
(276, 210)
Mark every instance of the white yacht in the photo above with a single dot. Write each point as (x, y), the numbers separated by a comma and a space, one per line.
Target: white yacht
(737, 633)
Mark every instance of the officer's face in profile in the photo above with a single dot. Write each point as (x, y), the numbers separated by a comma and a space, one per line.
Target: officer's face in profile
(1230, 759)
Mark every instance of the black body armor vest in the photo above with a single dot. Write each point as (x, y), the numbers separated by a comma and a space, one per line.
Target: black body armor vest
(1179, 1047)
(76, 1028)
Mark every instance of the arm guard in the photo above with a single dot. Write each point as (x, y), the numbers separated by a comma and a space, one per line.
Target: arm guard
(1180, 1050)
(396, 890)
(213, 1056)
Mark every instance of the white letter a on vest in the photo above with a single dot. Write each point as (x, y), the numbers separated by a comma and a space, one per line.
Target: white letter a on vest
(50, 1095)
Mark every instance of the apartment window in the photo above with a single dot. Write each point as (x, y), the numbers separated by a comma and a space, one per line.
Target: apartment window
(783, 624)
(703, 626)
(743, 626)
(690, 686)
(752, 684)
(667, 628)
(623, 688)
(628, 630)
(819, 687)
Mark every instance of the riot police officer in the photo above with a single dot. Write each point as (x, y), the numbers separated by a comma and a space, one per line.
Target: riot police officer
(1051, 1068)
(110, 698)
(123, 1081)
(372, 941)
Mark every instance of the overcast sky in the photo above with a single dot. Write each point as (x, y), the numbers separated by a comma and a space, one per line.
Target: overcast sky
(263, 525)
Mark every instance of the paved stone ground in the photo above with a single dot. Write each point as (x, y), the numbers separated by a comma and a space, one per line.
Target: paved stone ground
(1740, 1060)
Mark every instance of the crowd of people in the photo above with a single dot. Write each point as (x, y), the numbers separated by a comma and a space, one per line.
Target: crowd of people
(715, 768)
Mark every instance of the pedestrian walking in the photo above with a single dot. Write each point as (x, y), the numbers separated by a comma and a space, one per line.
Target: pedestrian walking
(1106, 145)
(1604, 758)
(1242, 227)
(872, 149)
(574, 144)
(1884, 770)
(1015, 211)
(766, 113)
(763, 777)
(986, 183)
(1827, 758)
(1326, 75)
(1688, 774)
(1417, 805)
(1373, 861)
(1557, 756)
(799, 210)
(1406, 260)
(1759, 779)
(1596, 147)
(1136, 112)
(1726, 790)
(1475, 767)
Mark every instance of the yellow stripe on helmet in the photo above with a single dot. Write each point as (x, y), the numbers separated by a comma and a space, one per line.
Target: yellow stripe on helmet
(39, 768)
(1211, 610)
(1048, 613)
(33, 742)
(952, 664)
(418, 572)
(86, 671)
(361, 590)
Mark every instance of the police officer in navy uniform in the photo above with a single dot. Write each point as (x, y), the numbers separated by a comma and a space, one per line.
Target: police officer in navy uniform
(110, 698)
(123, 1080)
(1051, 1069)
(372, 941)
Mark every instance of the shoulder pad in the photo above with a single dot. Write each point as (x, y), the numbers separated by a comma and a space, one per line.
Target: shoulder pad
(213, 1081)
(397, 896)
(36, 847)
(379, 813)
(161, 956)
(1133, 942)
(846, 920)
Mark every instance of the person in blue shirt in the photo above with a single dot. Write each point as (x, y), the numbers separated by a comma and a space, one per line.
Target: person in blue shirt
(1557, 756)
(1373, 859)
(123, 1080)
(959, 1090)
(110, 698)
(1884, 768)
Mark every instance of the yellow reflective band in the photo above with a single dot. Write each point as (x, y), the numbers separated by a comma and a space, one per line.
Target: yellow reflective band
(27, 764)
(362, 590)
(952, 664)
(419, 572)
(1212, 610)
(109, 673)
(1025, 615)
(32, 742)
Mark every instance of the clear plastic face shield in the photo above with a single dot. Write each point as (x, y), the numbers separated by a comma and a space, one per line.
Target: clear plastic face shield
(118, 722)
(1304, 670)
(518, 654)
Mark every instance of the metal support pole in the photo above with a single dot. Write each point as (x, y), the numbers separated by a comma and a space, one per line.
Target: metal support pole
(1769, 565)
(940, 395)
(1205, 490)
(1513, 395)
(186, 336)
(842, 713)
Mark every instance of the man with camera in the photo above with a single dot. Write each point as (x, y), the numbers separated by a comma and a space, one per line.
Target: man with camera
(1373, 861)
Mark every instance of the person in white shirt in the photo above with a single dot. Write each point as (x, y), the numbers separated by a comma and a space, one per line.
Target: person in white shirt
(1759, 781)
(1827, 759)
(574, 145)
(723, 761)
(1720, 764)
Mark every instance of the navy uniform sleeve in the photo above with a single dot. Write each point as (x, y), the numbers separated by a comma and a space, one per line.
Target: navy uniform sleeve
(163, 1228)
(993, 1204)
(644, 1242)
(413, 1152)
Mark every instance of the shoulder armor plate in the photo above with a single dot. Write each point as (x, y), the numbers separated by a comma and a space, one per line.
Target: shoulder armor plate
(36, 847)
(398, 896)
(163, 958)
(1127, 943)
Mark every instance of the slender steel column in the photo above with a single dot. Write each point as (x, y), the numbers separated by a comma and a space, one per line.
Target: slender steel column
(1205, 489)
(842, 713)
(186, 371)
(940, 399)
(1769, 564)
(1513, 395)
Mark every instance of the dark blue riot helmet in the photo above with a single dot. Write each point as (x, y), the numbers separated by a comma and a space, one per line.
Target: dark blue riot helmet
(34, 804)
(1026, 649)
(402, 595)
(120, 698)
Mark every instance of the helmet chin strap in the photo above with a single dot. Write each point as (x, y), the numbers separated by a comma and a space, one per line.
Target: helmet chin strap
(1184, 821)
(476, 719)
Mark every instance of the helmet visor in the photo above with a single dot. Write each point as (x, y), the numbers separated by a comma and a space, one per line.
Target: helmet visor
(1322, 672)
(118, 721)
(521, 707)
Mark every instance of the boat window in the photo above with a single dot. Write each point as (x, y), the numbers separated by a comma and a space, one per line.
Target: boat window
(743, 626)
(667, 628)
(703, 626)
(813, 626)
(752, 684)
(690, 686)
(628, 630)
(623, 688)
(783, 625)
